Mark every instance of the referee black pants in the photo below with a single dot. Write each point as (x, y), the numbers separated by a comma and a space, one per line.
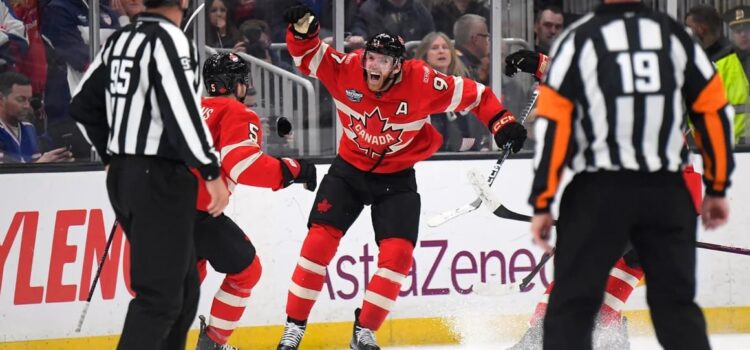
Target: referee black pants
(599, 214)
(154, 201)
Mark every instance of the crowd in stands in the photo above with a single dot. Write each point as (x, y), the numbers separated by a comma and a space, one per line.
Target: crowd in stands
(46, 43)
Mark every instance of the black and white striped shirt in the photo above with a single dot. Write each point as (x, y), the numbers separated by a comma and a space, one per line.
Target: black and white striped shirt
(615, 97)
(145, 80)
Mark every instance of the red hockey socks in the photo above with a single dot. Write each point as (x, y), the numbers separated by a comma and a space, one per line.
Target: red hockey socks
(394, 262)
(622, 281)
(541, 307)
(230, 301)
(308, 278)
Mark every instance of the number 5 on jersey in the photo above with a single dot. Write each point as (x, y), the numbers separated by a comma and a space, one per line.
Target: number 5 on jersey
(252, 133)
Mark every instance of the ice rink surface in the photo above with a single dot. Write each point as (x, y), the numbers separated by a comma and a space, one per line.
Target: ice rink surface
(718, 342)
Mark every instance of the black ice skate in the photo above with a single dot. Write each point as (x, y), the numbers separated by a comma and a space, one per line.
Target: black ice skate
(613, 337)
(293, 333)
(362, 338)
(206, 343)
(531, 340)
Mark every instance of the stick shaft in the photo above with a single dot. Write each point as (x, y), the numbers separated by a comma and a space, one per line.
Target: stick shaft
(505, 213)
(537, 268)
(96, 277)
(102, 260)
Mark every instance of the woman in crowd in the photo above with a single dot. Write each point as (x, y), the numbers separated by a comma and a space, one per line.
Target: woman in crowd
(221, 31)
(437, 50)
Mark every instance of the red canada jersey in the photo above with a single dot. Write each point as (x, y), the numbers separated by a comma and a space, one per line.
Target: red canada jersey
(392, 124)
(238, 136)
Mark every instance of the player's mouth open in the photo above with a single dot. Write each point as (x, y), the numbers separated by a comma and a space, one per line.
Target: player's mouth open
(374, 77)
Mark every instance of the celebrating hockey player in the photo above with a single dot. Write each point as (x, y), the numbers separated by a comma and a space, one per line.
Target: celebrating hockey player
(237, 134)
(383, 102)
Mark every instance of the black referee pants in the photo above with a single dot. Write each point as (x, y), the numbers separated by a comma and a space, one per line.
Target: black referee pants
(154, 200)
(599, 214)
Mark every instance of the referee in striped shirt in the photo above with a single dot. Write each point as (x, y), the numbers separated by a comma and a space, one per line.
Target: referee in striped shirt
(139, 105)
(612, 109)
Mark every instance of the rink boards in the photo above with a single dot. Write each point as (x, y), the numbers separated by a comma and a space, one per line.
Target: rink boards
(53, 227)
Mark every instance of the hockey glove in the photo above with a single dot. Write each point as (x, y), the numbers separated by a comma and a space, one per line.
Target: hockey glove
(283, 126)
(526, 61)
(298, 171)
(507, 130)
(302, 21)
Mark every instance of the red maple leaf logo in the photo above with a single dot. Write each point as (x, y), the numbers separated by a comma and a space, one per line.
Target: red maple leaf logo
(373, 135)
(323, 206)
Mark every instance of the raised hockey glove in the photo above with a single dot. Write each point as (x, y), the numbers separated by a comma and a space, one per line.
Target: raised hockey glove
(302, 21)
(526, 61)
(508, 131)
(298, 171)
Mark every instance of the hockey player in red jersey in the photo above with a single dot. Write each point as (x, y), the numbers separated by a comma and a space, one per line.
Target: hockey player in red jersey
(237, 134)
(383, 103)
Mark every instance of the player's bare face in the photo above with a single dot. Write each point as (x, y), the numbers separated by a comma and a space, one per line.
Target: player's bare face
(378, 69)
(439, 55)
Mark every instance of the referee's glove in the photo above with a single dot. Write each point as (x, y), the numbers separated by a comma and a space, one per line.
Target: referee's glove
(302, 21)
(507, 131)
(526, 61)
(298, 171)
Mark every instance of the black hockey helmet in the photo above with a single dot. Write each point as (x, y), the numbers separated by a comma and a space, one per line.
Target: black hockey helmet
(222, 72)
(387, 44)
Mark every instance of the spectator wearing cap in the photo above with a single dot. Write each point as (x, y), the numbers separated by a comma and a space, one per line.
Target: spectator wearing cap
(738, 19)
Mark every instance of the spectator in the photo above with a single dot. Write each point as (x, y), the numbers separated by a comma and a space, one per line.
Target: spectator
(65, 23)
(705, 23)
(473, 46)
(247, 10)
(13, 39)
(128, 10)
(739, 22)
(437, 50)
(446, 13)
(221, 31)
(257, 41)
(18, 137)
(473, 43)
(407, 18)
(33, 63)
(547, 26)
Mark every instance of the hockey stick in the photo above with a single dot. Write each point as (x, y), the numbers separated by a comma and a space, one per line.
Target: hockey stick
(723, 248)
(446, 216)
(487, 289)
(96, 277)
(497, 208)
(490, 199)
(192, 17)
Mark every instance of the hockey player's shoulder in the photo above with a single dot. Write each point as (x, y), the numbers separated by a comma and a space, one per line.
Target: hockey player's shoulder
(417, 70)
(240, 110)
(353, 57)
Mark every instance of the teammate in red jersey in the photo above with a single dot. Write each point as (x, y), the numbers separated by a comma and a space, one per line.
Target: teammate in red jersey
(237, 134)
(383, 103)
